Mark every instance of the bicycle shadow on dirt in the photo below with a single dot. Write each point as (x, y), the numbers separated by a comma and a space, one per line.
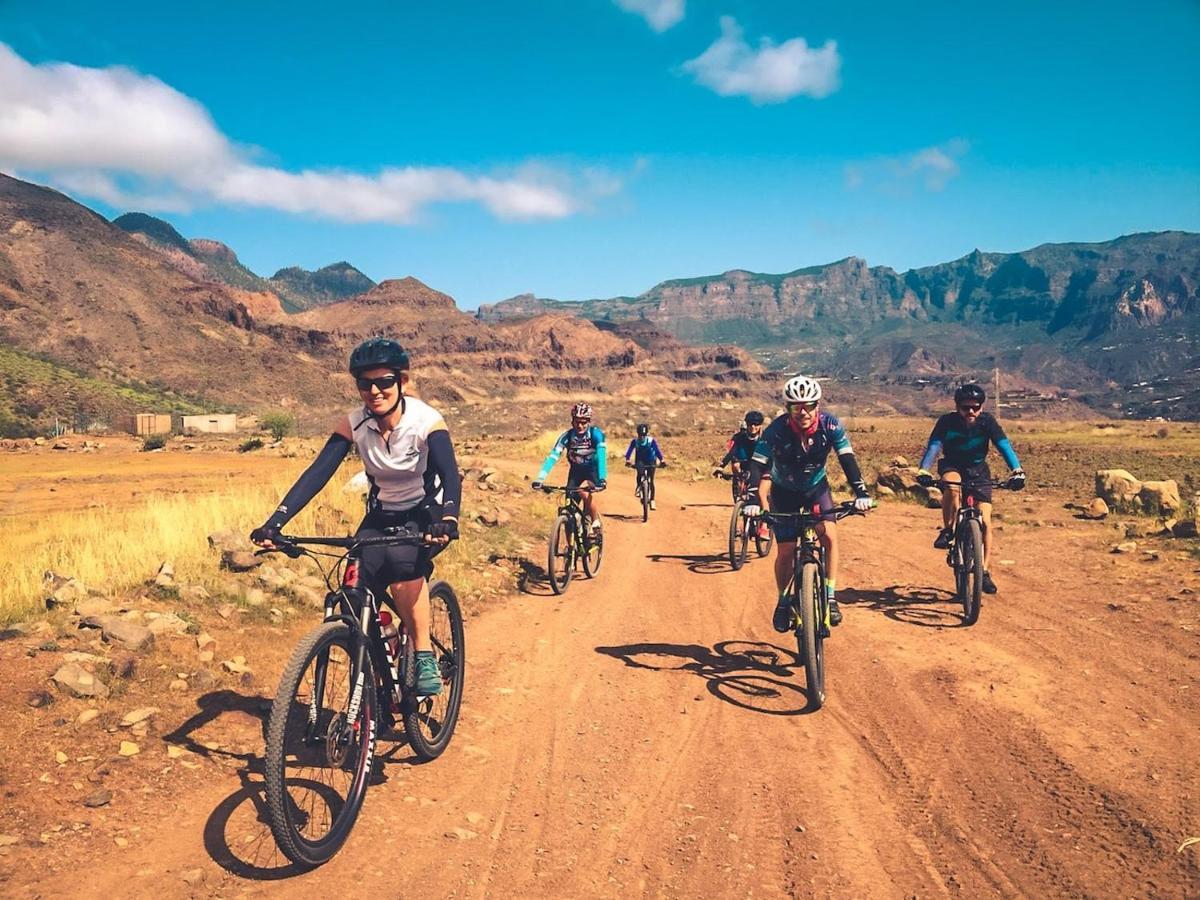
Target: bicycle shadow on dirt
(700, 563)
(922, 606)
(532, 578)
(742, 673)
(237, 833)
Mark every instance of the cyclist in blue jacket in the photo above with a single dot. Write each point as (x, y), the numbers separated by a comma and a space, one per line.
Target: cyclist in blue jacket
(963, 438)
(587, 458)
(644, 450)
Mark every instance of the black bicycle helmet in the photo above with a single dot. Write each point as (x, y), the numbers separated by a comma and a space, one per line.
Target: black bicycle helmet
(378, 353)
(754, 417)
(969, 393)
(643, 429)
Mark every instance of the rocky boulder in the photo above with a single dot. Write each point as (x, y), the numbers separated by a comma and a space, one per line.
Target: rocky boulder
(1097, 509)
(240, 560)
(122, 631)
(1117, 488)
(1160, 496)
(78, 681)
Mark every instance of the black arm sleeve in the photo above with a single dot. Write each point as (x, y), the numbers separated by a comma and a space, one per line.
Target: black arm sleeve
(309, 484)
(853, 473)
(443, 465)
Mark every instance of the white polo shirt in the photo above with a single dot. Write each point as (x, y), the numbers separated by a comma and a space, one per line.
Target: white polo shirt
(396, 467)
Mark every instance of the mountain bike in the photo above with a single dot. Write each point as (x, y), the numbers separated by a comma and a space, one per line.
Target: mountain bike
(809, 599)
(352, 674)
(571, 541)
(965, 555)
(742, 527)
(645, 487)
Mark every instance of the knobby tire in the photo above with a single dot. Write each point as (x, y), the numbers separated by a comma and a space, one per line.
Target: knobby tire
(295, 801)
(738, 537)
(560, 558)
(812, 649)
(972, 562)
(429, 721)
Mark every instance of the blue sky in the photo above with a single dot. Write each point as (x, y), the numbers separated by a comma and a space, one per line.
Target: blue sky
(595, 147)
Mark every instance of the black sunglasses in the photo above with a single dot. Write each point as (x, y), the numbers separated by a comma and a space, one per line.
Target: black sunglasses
(808, 406)
(970, 407)
(386, 383)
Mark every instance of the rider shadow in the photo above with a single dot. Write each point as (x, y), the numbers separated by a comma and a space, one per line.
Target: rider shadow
(700, 563)
(706, 506)
(623, 517)
(742, 673)
(237, 833)
(532, 579)
(908, 604)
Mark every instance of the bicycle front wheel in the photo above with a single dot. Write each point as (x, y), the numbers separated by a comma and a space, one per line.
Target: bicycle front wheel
(762, 544)
(429, 721)
(561, 557)
(810, 637)
(320, 745)
(738, 537)
(971, 542)
(645, 492)
(593, 550)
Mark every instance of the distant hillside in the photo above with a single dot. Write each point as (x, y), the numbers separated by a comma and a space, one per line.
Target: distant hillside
(96, 320)
(301, 289)
(1083, 316)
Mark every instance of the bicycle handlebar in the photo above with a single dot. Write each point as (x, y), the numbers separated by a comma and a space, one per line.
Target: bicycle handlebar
(657, 465)
(550, 489)
(1003, 484)
(843, 509)
(396, 535)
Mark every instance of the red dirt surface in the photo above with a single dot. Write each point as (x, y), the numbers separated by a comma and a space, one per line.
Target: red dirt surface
(648, 734)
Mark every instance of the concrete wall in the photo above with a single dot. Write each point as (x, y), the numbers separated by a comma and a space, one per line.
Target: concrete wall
(217, 423)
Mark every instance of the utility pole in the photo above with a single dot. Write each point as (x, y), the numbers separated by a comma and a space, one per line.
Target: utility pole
(996, 384)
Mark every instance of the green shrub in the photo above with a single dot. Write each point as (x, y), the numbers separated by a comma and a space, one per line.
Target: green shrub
(154, 442)
(278, 423)
(251, 444)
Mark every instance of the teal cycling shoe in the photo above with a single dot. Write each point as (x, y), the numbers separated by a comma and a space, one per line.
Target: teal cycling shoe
(429, 678)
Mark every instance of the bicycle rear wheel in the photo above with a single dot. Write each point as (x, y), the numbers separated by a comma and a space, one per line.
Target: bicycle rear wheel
(319, 746)
(970, 592)
(739, 537)
(811, 630)
(593, 550)
(762, 544)
(561, 557)
(429, 721)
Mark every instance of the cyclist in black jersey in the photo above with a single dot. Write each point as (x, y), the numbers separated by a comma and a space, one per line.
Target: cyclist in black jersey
(963, 438)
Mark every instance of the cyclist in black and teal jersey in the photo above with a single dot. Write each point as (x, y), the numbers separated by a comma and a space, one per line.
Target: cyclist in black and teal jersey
(587, 458)
(793, 480)
(741, 447)
(646, 455)
(964, 438)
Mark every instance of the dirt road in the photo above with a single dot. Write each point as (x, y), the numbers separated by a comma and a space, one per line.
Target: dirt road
(647, 734)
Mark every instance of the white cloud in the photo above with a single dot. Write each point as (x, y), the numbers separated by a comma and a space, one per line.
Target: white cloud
(932, 167)
(132, 141)
(772, 73)
(659, 14)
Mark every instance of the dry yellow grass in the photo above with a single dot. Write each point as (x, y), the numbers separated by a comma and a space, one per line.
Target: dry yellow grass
(116, 550)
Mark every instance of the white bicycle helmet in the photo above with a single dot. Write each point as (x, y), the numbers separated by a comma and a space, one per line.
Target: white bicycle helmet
(801, 389)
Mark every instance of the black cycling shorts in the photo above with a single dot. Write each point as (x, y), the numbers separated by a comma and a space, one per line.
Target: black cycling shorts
(785, 501)
(578, 473)
(980, 474)
(381, 566)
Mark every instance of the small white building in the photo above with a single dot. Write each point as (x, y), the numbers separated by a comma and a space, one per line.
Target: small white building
(213, 423)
